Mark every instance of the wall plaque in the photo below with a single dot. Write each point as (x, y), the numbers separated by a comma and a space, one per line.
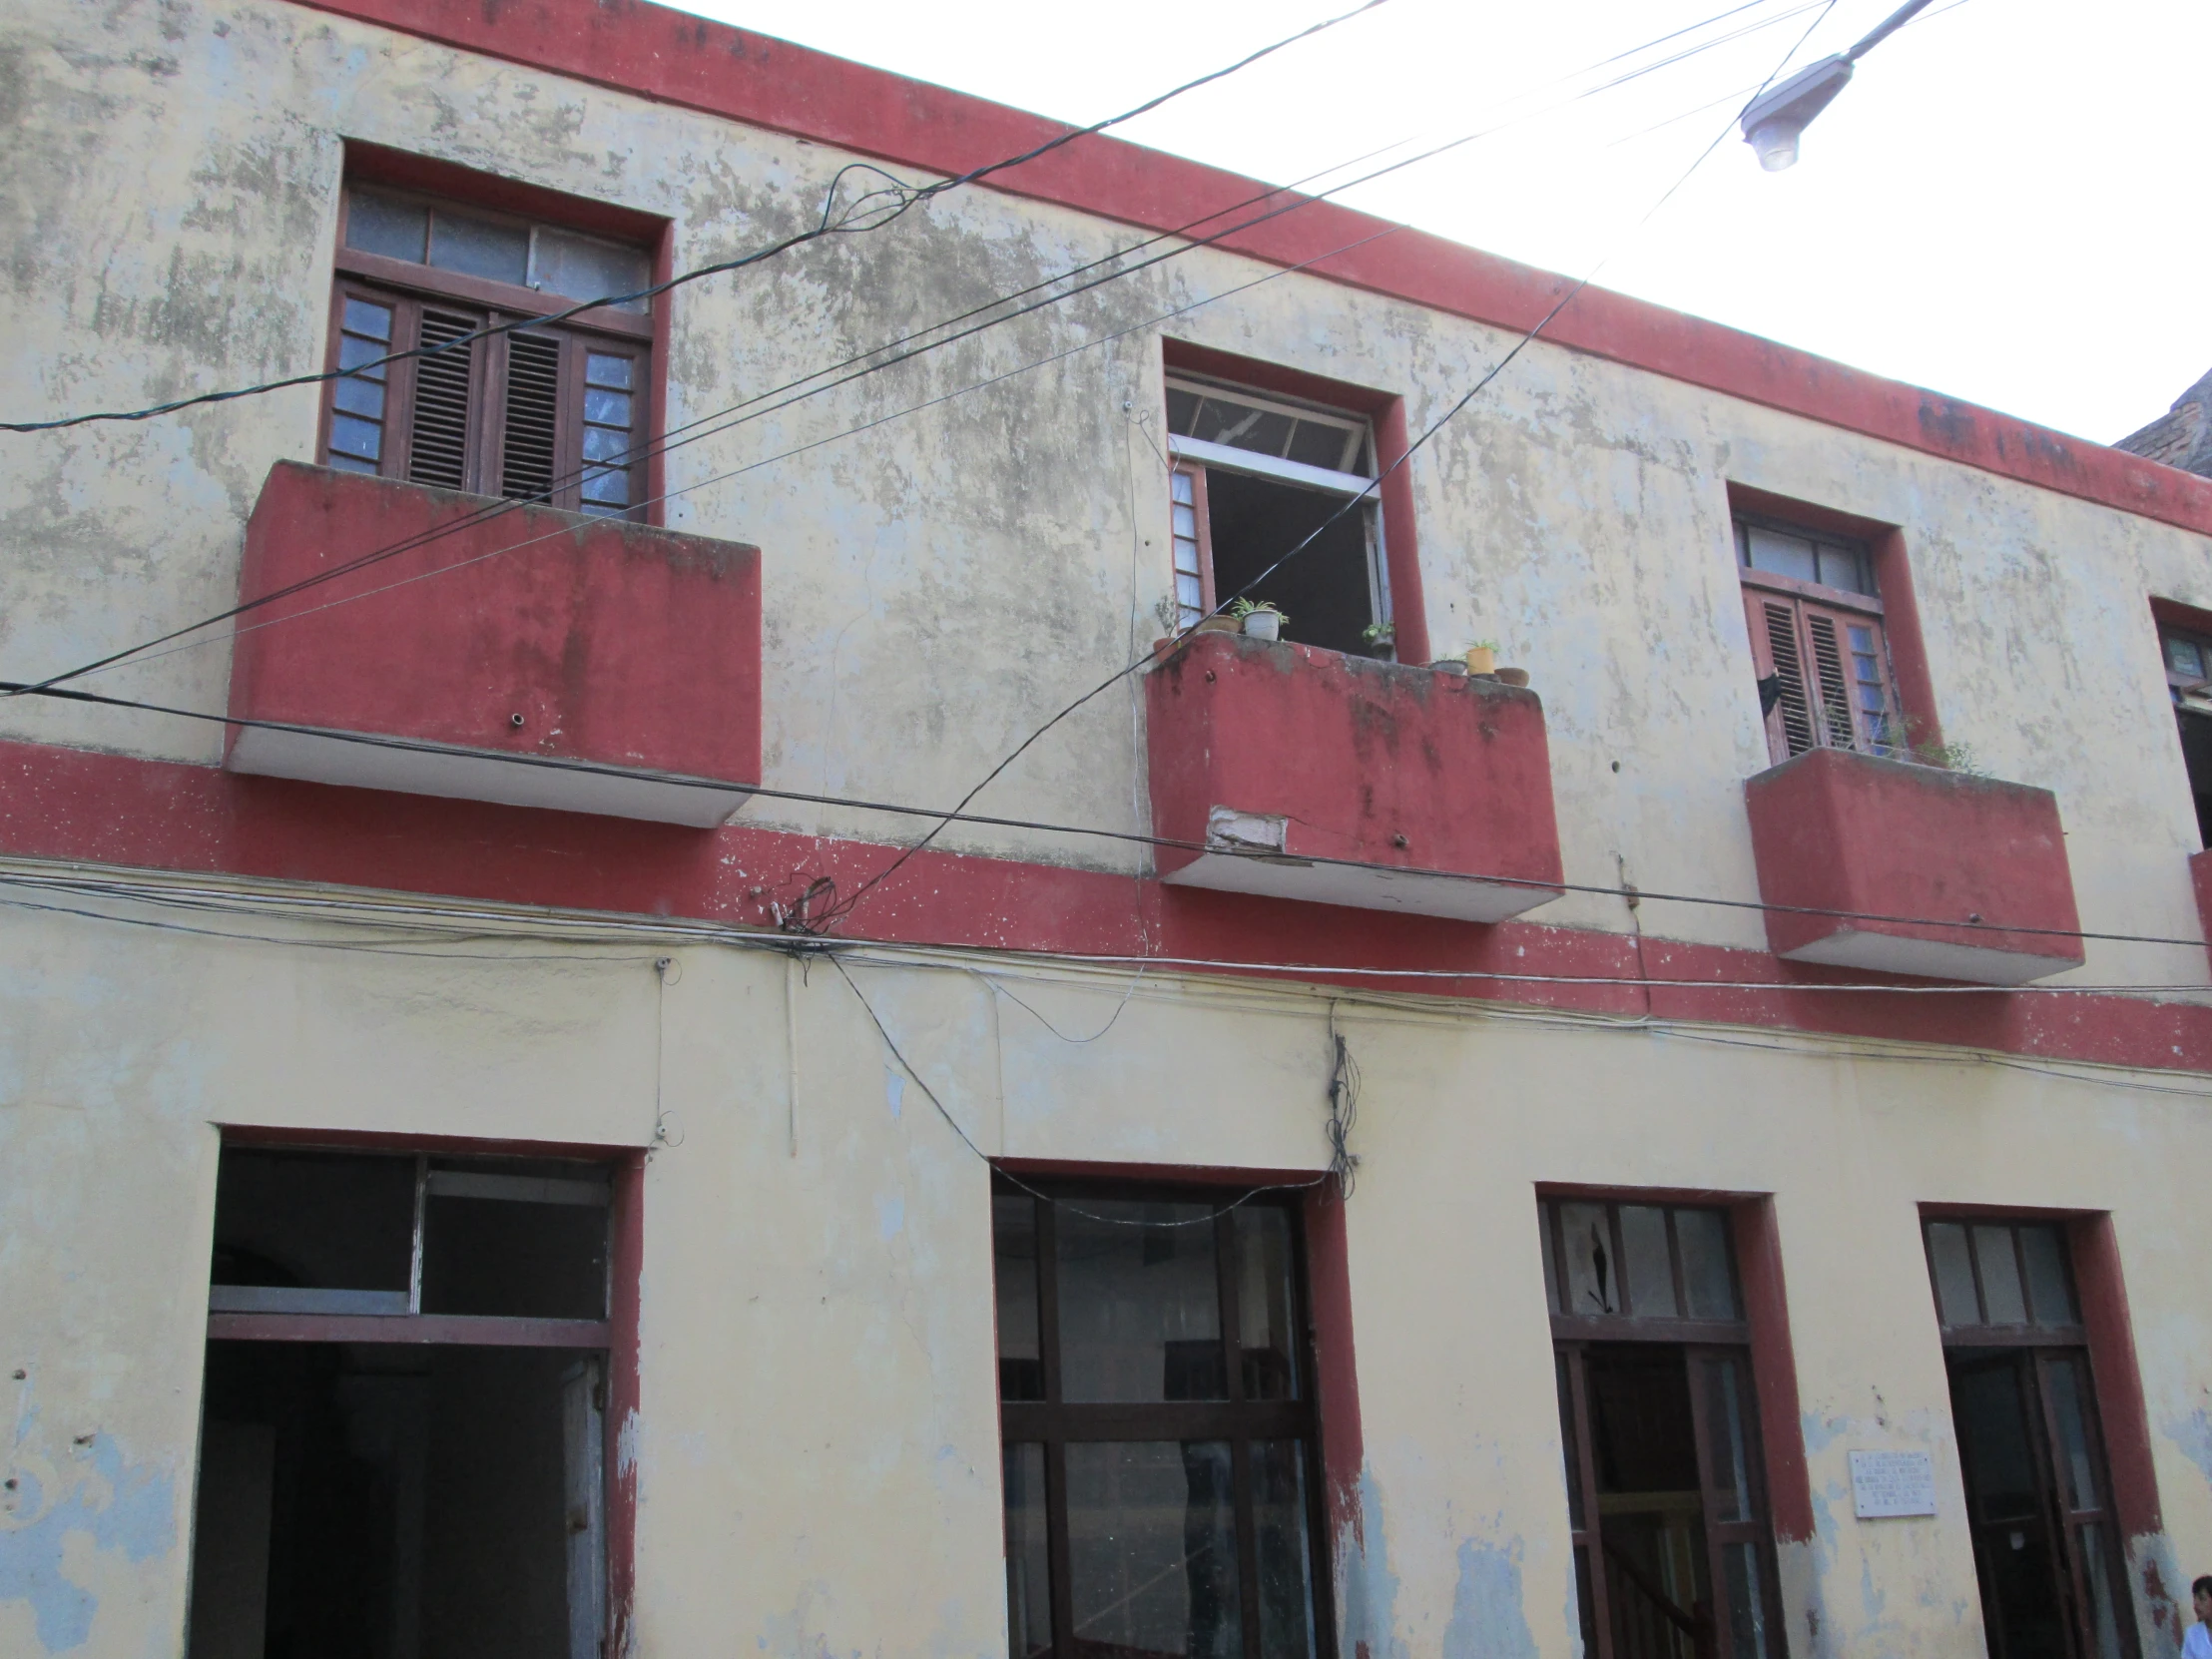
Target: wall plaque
(1886, 1483)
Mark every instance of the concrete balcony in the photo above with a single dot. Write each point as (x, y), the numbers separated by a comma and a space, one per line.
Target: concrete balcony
(1983, 862)
(622, 651)
(1302, 773)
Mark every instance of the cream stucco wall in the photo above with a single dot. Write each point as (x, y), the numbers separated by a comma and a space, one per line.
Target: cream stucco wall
(817, 1444)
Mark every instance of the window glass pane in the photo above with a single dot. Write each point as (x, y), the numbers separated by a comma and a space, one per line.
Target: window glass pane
(1180, 487)
(1014, 1261)
(379, 224)
(1318, 443)
(1186, 522)
(1747, 1609)
(1545, 1220)
(2002, 1297)
(1588, 1238)
(1266, 1310)
(314, 1220)
(363, 439)
(2068, 1389)
(1783, 555)
(1844, 567)
(1570, 1445)
(360, 397)
(1731, 1400)
(483, 1253)
(607, 485)
(354, 351)
(351, 463)
(1221, 420)
(606, 443)
(1028, 1562)
(582, 267)
(1285, 1556)
(2105, 1620)
(479, 247)
(2047, 1285)
(1140, 1304)
(1703, 1238)
(1189, 594)
(606, 408)
(1647, 1267)
(600, 370)
(362, 317)
(1947, 1253)
(2182, 658)
(1585, 1603)
(1182, 412)
(1152, 1548)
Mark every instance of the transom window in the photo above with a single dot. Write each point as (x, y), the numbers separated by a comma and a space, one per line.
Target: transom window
(1162, 1476)
(551, 413)
(1254, 475)
(1666, 1482)
(1822, 662)
(2189, 682)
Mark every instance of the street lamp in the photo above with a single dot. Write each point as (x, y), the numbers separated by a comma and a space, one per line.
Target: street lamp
(1775, 118)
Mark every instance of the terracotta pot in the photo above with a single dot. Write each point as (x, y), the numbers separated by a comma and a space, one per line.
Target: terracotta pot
(1217, 625)
(1513, 675)
(1481, 659)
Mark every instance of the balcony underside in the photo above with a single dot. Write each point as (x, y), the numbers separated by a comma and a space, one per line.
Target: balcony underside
(1372, 887)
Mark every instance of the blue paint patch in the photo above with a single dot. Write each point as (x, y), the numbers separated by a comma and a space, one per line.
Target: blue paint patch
(1487, 1621)
(2193, 1434)
(1370, 1589)
(1821, 1432)
(894, 1091)
(890, 1216)
(129, 1509)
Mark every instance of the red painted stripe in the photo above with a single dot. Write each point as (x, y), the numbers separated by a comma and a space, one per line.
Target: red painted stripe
(114, 810)
(674, 58)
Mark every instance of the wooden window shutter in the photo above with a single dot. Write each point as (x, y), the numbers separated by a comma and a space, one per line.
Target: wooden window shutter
(1830, 694)
(1824, 676)
(1780, 661)
(530, 445)
(438, 443)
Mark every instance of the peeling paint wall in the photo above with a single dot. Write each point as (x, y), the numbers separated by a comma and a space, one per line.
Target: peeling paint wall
(817, 1448)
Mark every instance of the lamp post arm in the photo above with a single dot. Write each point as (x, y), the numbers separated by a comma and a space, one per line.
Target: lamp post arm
(1886, 28)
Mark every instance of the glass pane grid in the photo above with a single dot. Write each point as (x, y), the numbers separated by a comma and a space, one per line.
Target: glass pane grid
(1640, 1261)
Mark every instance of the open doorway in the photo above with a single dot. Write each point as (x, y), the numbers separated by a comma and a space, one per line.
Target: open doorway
(402, 1443)
(1666, 1491)
(2046, 1547)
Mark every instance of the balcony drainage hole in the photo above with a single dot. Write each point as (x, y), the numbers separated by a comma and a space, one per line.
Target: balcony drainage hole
(515, 721)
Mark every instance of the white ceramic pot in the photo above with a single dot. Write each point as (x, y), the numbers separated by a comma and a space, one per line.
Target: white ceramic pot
(1263, 625)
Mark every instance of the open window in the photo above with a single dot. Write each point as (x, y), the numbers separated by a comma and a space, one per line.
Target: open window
(1161, 1456)
(2039, 1497)
(2188, 654)
(1816, 640)
(1666, 1482)
(549, 412)
(1254, 475)
(402, 1445)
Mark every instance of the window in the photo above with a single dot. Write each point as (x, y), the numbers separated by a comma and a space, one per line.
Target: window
(1666, 1482)
(403, 1447)
(550, 413)
(2046, 1547)
(1253, 476)
(2189, 682)
(1816, 640)
(1162, 1471)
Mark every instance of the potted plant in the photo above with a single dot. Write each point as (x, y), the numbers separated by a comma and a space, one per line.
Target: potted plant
(1381, 639)
(1482, 657)
(1258, 619)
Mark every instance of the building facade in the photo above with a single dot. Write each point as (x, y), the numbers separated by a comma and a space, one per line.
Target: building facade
(514, 1147)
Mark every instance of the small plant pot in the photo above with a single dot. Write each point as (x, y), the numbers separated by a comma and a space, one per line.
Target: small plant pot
(1217, 625)
(1263, 625)
(1450, 665)
(1482, 659)
(1513, 675)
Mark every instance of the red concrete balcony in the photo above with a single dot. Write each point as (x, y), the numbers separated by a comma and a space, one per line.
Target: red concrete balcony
(1834, 829)
(626, 651)
(1308, 775)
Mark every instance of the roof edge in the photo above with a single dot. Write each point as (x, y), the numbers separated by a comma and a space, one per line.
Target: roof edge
(672, 57)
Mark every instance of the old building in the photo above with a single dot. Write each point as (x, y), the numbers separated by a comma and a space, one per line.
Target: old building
(2183, 436)
(514, 1147)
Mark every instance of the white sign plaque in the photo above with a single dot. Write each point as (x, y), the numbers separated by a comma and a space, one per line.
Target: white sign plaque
(1886, 1483)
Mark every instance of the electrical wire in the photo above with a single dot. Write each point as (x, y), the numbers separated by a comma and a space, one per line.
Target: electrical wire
(666, 442)
(596, 768)
(906, 196)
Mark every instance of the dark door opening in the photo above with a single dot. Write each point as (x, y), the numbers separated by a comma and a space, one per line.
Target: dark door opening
(1327, 590)
(1650, 1513)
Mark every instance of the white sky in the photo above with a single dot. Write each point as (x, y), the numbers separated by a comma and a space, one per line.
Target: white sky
(2006, 205)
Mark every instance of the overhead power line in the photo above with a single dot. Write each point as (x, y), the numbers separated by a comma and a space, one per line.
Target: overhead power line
(595, 769)
(903, 198)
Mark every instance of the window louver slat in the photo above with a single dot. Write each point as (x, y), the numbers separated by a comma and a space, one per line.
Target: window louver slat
(438, 450)
(1835, 693)
(533, 406)
(1781, 642)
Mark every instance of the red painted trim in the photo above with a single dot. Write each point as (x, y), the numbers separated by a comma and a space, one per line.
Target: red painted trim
(677, 59)
(2120, 1389)
(2173, 614)
(465, 1330)
(1774, 1367)
(1335, 1364)
(118, 810)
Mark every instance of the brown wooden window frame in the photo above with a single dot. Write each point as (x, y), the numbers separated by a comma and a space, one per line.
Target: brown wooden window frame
(1708, 1345)
(1801, 644)
(2039, 1344)
(553, 469)
(1055, 1423)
